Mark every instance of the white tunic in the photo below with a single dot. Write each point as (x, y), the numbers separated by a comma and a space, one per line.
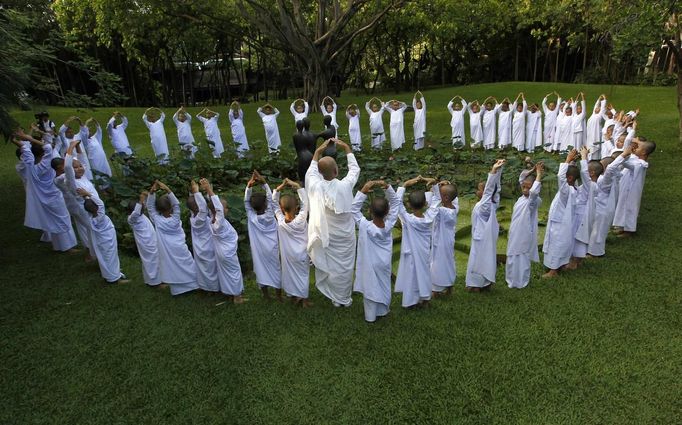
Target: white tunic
(630, 193)
(96, 155)
(158, 136)
(549, 131)
(475, 128)
(177, 266)
(293, 244)
(202, 246)
(63, 142)
(533, 130)
(375, 251)
(522, 245)
(593, 136)
(519, 127)
(354, 130)
(239, 131)
(263, 241)
(103, 235)
(82, 182)
(482, 264)
(271, 129)
(419, 123)
(332, 114)
(396, 125)
(559, 235)
(80, 217)
(443, 266)
(185, 136)
(213, 134)
(605, 205)
(578, 122)
(298, 116)
(147, 247)
(414, 275)
(584, 211)
(457, 123)
(489, 126)
(118, 137)
(331, 231)
(563, 137)
(225, 240)
(376, 125)
(504, 126)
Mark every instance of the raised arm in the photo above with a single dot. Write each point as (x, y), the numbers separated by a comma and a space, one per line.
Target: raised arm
(393, 207)
(356, 206)
(353, 167)
(367, 108)
(302, 215)
(292, 108)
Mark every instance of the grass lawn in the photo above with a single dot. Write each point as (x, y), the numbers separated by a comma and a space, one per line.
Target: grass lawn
(599, 345)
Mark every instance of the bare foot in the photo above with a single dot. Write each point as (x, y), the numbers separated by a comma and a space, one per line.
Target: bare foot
(305, 303)
(120, 281)
(625, 234)
(472, 289)
(550, 274)
(617, 230)
(238, 299)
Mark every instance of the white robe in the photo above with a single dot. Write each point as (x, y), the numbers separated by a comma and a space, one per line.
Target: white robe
(559, 235)
(593, 135)
(419, 123)
(354, 130)
(177, 266)
(413, 279)
(396, 125)
(331, 231)
(185, 136)
(482, 264)
(443, 266)
(118, 137)
(158, 137)
(225, 241)
(376, 125)
(522, 245)
(519, 128)
(489, 126)
(578, 122)
(475, 127)
(147, 247)
(79, 183)
(213, 134)
(263, 241)
(534, 130)
(457, 124)
(375, 252)
(630, 193)
(293, 244)
(563, 137)
(331, 114)
(584, 212)
(239, 132)
(504, 126)
(63, 142)
(298, 116)
(80, 217)
(605, 206)
(203, 247)
(271, 129)
(96, 156)
(103, 235)
(549, 129)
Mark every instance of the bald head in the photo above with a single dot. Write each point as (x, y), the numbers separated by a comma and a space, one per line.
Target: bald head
(328, 168)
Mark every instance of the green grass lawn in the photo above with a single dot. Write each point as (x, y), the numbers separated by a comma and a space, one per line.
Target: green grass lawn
(599, 345)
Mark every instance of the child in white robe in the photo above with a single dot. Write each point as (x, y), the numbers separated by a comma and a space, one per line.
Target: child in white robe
(66, 135)
(522, 246)
(202, 240)
(262, 227)
(292, 232)
(145, 240)
(117, 134)
(504, 123)
(551, 112)
(299, 109)
(559, 234)
(47, 130)
(519, 123)
(414, 276)
(353, 116)
(396, 110)
(533, 128)
(457, 110)
(176, 264)
(604, 205)
(210, 121)
(583, 215)
(631, 185)
(104, 241)
(475, 127)
(157, 135)
(563, 137)
(443, 266)
(183, 124)
(375, 110)
(238, 130)
(375, 248)
(489, 122)
(419, 106)
(482, 264)
(593, 134)
(328, 108)
(268, 115)
(95, 150)
(76, 171)
(225, 242)
(578, 122)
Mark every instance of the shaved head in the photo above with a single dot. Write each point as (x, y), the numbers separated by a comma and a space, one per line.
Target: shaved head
(379, 207)
(288, 203)
(328, 168)
(448, 191)
(595, 167)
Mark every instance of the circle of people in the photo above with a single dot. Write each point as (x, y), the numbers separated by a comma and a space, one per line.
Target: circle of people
(322, 223)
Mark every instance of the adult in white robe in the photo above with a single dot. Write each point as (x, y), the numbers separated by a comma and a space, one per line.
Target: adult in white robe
(157, 135)
(183, 124)
(559, 234)
(331, 229)
(419, 124)
(458, 139)
(117, 134)
(104, 242)
(238, 131)
(263, 240)
(376, 123)
(475, 127)
(299, 115)
(442, 261)
(551, 115)
(146, 242)
(210, 121)
(489, 123)
(202, 243)
(519, 125)
(396, 111)
(271, 128)
(293, 247)
(533, 129)
(354, 134)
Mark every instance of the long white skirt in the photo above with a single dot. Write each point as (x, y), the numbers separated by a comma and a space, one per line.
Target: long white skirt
(374, 309)
(517, 272)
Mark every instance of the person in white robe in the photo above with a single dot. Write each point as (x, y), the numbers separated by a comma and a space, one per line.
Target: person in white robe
(66, 135)
(522, 245)
(482, 263)
(210, 120)
(145, 240)
(328, 108)
(262, 227)
(504, 123)
(375, 109)
(559, 234)
(563, 137)
(225, 242)
(519, 123)
(551, 113)
(593, 132)
(475, 126)
(353, 116)
(292, 233)
(47, 130)
(375, 248)
(631, 186)
(202, 240)
(608, 145)
(442, 261)
(238, 130)
(533, 128)
(331, 228)
(396, 111)
(490, 122)
(299, 109)
(95, 150)
(419, 106)
(77, 169)
(605, 204)
(176, 264)
(578, 122)
(413, 279)
(104, 241)
(457, 106)
(183, 124)
(583, 215)
(157, 135)
(268, 115)
(117, 134)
